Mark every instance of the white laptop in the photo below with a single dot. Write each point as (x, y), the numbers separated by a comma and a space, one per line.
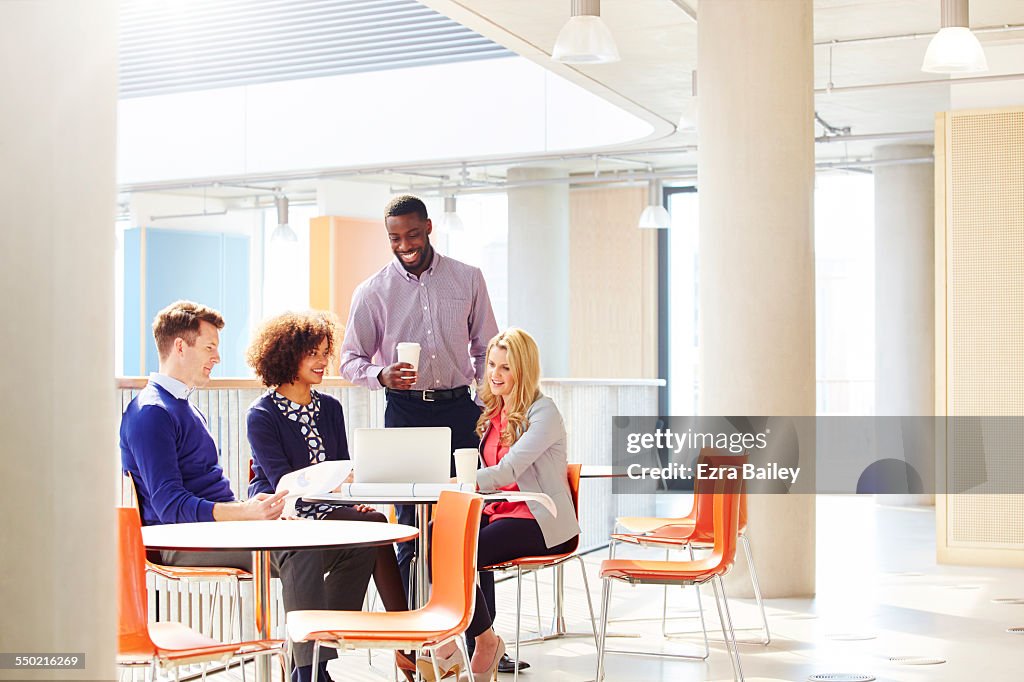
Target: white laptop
(403, 455)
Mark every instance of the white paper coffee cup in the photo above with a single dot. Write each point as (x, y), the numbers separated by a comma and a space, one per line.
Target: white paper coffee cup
(409, 351)
(465, 465)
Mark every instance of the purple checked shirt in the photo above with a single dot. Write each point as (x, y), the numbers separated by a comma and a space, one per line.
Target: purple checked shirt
(446, 310)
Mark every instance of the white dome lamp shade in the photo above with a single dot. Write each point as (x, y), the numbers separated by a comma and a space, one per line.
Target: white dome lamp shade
(283, 232)
(655, 217)
(954, 49)
(585, 38)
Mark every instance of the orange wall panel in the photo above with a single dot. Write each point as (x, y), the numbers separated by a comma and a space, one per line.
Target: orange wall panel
(342, 253)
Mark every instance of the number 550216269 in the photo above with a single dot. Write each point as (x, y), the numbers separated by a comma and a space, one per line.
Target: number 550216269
(41, 661)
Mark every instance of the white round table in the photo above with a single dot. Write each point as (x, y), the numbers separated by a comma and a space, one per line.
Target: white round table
(263, 537)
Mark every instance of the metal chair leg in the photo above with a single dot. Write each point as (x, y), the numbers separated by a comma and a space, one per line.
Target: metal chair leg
(703, 625)
(727, 630)
(664, 604)
(700, 610)
(590, 604)
(316, 659)
(757, 588)
(536, 597)
(606, 594)
(463, 647)
(519, 617)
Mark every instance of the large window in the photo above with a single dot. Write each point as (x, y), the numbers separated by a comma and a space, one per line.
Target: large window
(844, 265)
(682, 280)
(844, 296)
(483, 242)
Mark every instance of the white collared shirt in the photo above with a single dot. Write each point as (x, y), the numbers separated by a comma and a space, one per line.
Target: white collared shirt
(176, 388)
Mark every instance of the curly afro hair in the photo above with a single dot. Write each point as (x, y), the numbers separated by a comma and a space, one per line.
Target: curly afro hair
(283, 341)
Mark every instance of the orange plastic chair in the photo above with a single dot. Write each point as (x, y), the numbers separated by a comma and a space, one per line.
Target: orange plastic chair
(163, 645)
(536, 563)
(218, 575)
(711, 568)
(445, 616)
(695, 531)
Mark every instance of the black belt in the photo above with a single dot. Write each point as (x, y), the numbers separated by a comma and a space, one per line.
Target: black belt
(429, 396)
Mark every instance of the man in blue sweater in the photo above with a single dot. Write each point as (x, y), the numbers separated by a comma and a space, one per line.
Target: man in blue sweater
(170, 454)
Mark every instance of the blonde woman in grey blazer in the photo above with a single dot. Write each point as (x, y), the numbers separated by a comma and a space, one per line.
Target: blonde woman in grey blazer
(522, 447)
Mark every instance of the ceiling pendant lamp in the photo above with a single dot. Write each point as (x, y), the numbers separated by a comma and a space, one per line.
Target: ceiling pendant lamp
(585, 38)
(688, 116)
(451, 220)
(283, 232)
(954, 49)
(655, 217)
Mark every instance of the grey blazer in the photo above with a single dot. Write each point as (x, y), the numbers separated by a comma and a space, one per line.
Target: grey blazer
(537, 463)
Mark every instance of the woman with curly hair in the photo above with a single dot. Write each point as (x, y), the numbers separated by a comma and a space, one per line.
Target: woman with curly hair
(522, 447)
(293, 426)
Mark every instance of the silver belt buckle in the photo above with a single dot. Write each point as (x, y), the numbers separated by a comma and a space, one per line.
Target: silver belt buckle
(426, 398)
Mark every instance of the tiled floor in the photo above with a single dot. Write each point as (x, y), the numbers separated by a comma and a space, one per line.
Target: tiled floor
(879, 596)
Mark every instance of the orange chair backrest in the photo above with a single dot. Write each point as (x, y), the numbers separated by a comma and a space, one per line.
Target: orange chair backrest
(133, 631)
(703, 496)
(453, 562)
(129, 495)
(727, 495)
(573, 475)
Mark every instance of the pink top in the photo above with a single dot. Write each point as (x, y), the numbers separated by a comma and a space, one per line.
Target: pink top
(493, 451)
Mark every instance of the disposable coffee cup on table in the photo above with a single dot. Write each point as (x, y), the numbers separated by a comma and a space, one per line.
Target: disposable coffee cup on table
(465, 465)
(409, 351)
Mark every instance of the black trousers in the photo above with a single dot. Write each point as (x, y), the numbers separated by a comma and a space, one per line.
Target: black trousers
(302, 580)
(460, 415)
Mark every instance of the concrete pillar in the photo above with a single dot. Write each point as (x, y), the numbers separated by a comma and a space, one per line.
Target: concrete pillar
(756, 248)
(58, 569)
(905, 303)
(538, 263)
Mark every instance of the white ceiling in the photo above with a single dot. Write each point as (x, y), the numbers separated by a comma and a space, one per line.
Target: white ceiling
(657, 41)
(658, 38)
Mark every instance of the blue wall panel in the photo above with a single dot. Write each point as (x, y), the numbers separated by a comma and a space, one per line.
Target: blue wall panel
(234, 288)
(208, 267)
(132, 361)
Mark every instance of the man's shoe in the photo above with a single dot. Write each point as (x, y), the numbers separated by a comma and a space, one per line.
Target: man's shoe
(507, 665)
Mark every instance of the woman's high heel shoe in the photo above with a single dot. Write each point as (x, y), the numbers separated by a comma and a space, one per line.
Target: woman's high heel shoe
(406, 665)
(448, 665)
(492, 671)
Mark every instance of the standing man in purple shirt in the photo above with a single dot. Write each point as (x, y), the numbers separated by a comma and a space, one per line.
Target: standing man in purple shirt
(435, 301)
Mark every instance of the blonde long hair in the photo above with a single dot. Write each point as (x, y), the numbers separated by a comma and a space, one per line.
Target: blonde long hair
(524, 364)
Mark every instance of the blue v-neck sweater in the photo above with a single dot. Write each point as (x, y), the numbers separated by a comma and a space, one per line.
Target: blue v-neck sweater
(168, 450)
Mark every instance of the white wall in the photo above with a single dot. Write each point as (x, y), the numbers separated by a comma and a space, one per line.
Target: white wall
(491, 107)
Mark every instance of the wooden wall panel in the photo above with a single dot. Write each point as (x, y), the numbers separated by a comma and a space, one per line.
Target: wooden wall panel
(613, 284)
(980, 343)
(342, 253)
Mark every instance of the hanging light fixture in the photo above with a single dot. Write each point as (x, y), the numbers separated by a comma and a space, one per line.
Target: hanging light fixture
(585, 38)
(451, 220)
(655, 216)
(283, 232)
(954, 49)
(688, 117)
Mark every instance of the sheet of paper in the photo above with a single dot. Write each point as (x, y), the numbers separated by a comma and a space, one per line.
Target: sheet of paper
(312, 480)
(548, 503)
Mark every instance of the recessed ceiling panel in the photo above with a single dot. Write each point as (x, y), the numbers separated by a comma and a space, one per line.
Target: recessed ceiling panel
(171, 46)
